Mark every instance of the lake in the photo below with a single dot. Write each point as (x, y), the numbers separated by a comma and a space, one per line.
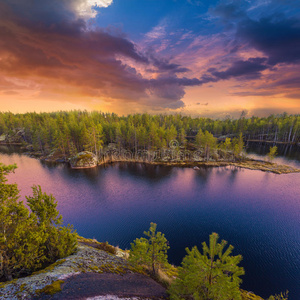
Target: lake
(257, 212)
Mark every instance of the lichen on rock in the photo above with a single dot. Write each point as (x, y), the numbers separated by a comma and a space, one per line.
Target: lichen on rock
(86, 259)
(84, 159)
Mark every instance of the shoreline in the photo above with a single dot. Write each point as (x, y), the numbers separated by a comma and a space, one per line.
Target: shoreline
(250, 164)
(116, 276)
(247, 163)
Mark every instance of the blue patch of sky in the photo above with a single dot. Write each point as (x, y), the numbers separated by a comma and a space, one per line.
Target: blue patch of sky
(137, 17)
(181, 21)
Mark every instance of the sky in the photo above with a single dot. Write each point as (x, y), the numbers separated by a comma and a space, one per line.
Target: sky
(194, 57)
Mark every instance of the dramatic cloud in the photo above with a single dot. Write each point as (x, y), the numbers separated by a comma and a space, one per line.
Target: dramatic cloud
(65, 52)
(250, 68)
(56, 49)
(276, 37)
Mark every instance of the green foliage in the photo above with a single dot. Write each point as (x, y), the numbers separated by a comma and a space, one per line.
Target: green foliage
(29, 240)
(199, 137)
(211, 275)
(281, 296)
(238, 145)
(209, 142)
(227, 144)
(151, 251)
(58, 241)
(272, 153)
(67, 133)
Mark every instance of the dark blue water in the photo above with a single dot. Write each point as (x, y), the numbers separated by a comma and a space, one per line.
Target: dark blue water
(258, 213)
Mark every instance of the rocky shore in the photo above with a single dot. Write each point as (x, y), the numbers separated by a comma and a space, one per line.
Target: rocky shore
(86, 160)
(85, 269)
(93, 274)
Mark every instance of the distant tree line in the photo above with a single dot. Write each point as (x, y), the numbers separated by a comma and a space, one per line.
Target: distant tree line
(75, 131)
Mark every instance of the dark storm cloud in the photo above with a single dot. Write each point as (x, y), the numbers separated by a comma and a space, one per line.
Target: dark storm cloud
(278, 38)
(49, 43)
(47, 40)
(274, 33)
(250, 68)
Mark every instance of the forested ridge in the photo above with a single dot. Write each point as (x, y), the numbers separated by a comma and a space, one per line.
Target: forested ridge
(75, 131)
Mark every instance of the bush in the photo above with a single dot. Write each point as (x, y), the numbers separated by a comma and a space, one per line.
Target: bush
(30, 240)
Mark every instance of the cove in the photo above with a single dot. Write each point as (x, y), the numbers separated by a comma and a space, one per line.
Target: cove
(257, 212)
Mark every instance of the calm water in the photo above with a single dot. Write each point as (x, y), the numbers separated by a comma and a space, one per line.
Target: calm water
(258, 213)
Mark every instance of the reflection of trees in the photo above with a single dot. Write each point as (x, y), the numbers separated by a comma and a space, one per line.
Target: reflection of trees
(229, 173)
(233, 173)
(287, 151)
(10, 149)
(204, 173)
(146, 171)
(91, 174)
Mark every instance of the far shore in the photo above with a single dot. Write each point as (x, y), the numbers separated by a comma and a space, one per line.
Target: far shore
(246, 163)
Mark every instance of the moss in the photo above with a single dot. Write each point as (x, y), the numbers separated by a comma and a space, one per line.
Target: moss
(98, 245)
(22, 287)
(52, 288)
(107, 247)
(83, 159)
(3, 284)
(94, 268)
(49, 268)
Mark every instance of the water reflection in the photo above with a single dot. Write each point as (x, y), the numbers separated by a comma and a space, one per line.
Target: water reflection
(256, 212)
(287, 154)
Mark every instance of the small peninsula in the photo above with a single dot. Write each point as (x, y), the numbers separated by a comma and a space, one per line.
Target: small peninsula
(87, 139)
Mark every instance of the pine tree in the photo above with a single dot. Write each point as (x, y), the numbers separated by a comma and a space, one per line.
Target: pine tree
(211, 275)
(198, 137)
(18, 238)
(151, 252)
(57, 241)
(32, 239)
(209, 142)
(272, 153)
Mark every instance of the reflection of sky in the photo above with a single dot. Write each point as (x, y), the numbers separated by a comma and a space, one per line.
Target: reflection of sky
(255, 211)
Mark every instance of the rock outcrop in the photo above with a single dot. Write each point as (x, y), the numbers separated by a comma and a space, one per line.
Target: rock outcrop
(86, 267)
(83, 160)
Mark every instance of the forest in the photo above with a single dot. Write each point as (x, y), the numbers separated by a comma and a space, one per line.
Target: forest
(75, 131)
